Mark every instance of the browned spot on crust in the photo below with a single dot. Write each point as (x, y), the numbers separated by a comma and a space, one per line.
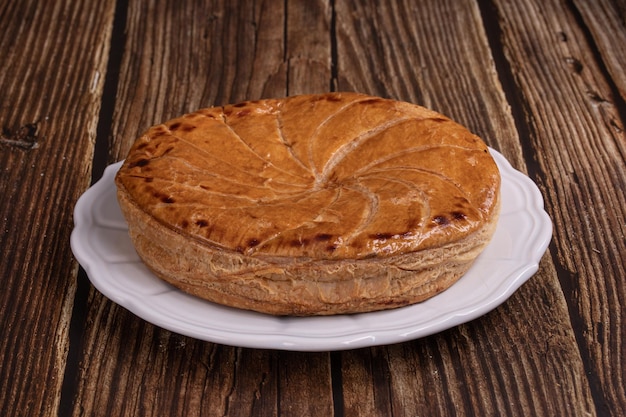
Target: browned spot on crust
(253, 242)
(296, 243)
(382, 236)
(323, 237)
(457, 215)
(187, 128)
(202, 223)
(441, 220)
(140, 163)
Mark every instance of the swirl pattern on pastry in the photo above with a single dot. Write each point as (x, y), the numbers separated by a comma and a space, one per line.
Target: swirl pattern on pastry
(269, 188)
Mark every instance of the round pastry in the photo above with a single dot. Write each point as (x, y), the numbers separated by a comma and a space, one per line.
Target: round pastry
(310, 205)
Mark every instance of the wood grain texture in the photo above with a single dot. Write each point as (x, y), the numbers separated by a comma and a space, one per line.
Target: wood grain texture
(308, 47)
(445, 372)
(581, 169)
(161, 373)
(51, 68)
(540, 80)
(605, 20)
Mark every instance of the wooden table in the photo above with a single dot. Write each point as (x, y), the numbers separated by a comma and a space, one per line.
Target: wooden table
(541, 81)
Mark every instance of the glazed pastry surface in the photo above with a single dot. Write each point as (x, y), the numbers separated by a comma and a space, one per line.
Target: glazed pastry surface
(322, 204)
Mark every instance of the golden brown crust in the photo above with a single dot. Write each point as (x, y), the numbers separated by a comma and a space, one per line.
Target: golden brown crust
(317, 204)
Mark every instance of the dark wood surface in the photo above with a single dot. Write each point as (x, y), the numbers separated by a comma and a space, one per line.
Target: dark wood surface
(542, 81)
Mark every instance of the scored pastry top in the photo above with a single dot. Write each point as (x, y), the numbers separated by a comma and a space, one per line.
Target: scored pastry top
(329, 176)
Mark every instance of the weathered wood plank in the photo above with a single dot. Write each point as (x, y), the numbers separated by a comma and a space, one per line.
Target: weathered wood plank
(438, 55)
(606, 21)
(578, 140)
(308, 47)
(179, 57)
(161, 373)
(566, 128)
(54, 57)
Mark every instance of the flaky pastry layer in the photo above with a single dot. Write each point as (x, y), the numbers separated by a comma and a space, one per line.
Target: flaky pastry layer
(321, 204)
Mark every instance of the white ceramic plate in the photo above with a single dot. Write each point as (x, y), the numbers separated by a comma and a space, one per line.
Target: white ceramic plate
(101, 244)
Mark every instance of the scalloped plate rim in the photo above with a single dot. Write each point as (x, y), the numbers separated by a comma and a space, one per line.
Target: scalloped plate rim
(366, 328)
